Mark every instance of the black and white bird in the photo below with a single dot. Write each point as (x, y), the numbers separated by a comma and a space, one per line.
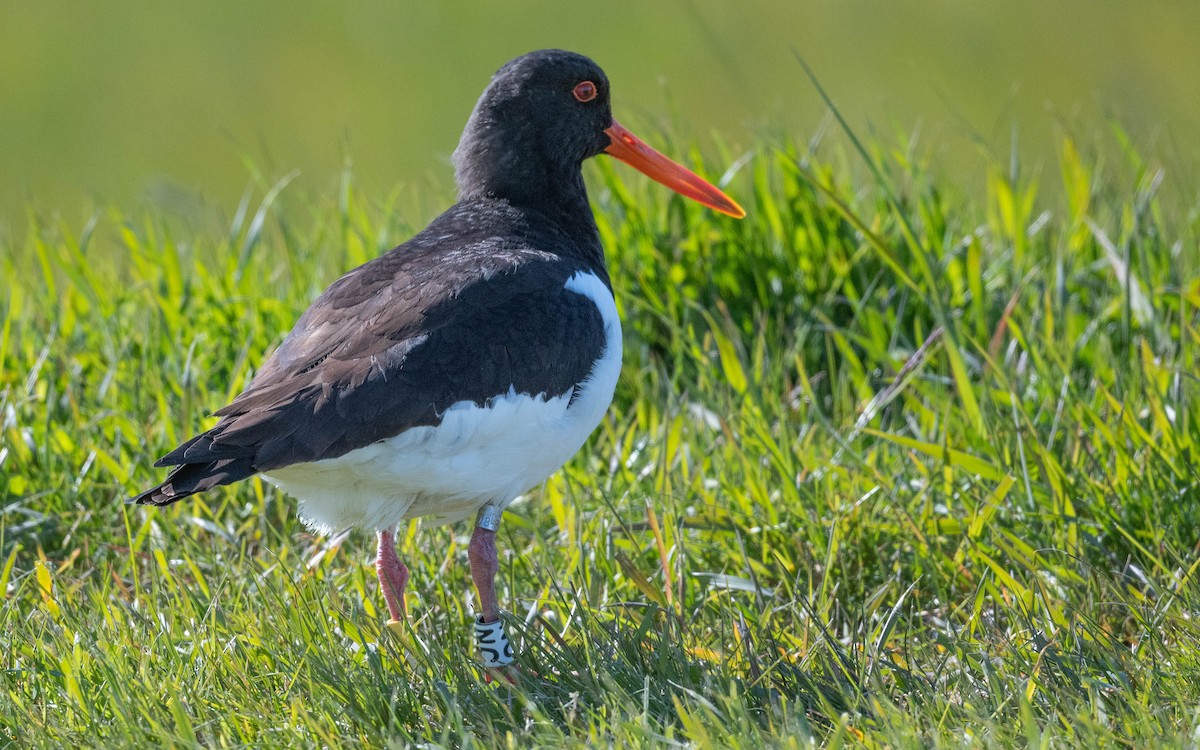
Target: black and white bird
(451, 374)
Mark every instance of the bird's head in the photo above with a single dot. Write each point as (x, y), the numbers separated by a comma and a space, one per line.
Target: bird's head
(541, 116)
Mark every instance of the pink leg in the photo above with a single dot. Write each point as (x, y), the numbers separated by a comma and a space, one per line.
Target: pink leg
(485, 563)
(393, 575)
(490, 638)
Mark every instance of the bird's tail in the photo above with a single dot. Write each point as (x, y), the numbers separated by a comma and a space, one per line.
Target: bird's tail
(188, 479)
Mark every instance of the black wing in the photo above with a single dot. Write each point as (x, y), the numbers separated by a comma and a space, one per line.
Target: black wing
(390, 346)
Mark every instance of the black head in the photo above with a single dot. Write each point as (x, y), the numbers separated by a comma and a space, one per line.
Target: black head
(539, 118)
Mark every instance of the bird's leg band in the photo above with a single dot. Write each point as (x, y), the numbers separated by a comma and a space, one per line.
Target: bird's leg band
(489, 518)
(493, 643)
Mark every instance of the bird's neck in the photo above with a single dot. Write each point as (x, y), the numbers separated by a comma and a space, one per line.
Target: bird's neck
(566, 204)
(561, 198)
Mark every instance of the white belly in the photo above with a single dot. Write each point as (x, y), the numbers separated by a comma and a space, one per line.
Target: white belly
(475, 456)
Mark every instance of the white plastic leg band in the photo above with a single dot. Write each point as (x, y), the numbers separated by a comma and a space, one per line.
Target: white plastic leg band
(493, 643)
(489, 518)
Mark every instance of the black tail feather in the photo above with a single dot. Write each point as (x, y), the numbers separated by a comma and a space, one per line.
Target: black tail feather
(189, 479)
(176, 457)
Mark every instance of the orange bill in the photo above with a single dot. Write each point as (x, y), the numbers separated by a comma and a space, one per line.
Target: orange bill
(633, 151)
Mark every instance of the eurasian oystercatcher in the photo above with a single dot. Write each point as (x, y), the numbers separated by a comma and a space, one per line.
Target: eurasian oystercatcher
(464, 367)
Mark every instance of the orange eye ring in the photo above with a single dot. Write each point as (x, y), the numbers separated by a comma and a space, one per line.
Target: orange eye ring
(585, 92)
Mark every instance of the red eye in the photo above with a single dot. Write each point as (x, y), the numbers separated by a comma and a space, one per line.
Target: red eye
(585, 92)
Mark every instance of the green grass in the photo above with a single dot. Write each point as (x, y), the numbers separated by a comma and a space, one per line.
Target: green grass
(890, 464)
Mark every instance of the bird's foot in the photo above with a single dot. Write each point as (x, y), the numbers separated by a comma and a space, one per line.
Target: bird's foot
(508, 675)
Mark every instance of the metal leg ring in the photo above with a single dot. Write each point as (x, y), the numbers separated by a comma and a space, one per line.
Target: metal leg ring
(489, 518)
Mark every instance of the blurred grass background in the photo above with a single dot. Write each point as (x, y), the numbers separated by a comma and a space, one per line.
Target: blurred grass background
(163, 102)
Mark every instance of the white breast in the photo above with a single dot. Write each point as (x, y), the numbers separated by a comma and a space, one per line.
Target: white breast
(475, 456)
